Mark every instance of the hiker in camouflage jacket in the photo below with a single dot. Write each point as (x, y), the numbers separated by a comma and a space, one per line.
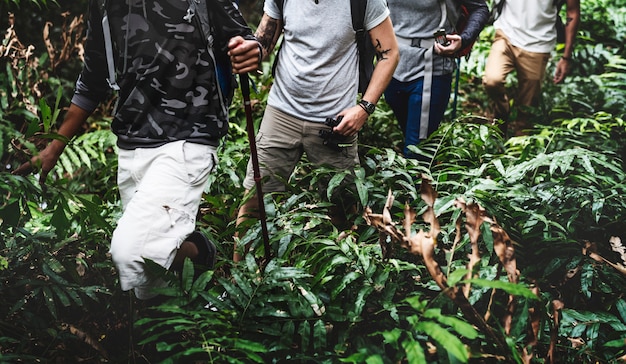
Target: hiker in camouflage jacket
(169, 120)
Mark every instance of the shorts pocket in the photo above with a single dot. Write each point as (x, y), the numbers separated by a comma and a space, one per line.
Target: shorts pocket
(169, 227)
(199, 161)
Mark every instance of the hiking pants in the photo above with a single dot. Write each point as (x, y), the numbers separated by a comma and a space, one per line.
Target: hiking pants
(505, 58)
(405, 99)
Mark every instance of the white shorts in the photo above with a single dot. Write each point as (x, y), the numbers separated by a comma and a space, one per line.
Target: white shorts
(160, 189)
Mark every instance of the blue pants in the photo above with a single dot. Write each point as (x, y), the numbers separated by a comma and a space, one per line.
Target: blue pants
(405, 99)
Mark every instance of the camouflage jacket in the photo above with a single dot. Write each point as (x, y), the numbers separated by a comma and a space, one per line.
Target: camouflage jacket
(167, 78)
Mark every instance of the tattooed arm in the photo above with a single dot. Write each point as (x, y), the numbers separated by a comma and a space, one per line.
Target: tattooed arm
(268, 32)
(384, 41)
(246, 56)
(386, 45)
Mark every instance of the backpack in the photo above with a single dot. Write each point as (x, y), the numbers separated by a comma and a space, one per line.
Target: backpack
(367, 52)
(210, 26)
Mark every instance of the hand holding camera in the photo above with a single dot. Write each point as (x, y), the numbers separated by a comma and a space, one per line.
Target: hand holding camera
(332, 139)
(447, 44)
(441, 38)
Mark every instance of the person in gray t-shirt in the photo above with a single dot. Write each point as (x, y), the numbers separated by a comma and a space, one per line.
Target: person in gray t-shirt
(425, 69)
(316, 77)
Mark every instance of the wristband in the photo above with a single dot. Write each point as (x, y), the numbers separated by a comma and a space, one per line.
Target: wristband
(258, 44)
(569, 59)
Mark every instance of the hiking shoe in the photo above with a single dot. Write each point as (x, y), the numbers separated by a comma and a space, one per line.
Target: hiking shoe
(207, 251)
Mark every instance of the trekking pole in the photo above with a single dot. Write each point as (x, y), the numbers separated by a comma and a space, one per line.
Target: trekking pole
(245, 92)
(456, 88)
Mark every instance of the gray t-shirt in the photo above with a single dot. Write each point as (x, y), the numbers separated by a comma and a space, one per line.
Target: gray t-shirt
(419, 20)
(317, 71)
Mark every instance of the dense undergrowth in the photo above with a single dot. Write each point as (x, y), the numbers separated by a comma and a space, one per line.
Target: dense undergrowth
(494, 251)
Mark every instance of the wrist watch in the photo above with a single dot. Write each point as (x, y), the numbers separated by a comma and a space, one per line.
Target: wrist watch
(367, 106)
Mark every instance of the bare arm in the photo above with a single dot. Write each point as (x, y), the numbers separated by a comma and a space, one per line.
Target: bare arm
(268, 32)
(384, 40)
(48, 157)
(564, 65)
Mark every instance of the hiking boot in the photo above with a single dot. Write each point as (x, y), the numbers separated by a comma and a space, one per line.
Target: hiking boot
(207, 251)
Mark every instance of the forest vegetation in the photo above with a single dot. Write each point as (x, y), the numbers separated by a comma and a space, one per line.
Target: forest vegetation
(496, 250)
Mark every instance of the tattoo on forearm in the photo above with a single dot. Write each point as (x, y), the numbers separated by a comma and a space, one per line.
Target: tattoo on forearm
(381, 53)
(266, 34)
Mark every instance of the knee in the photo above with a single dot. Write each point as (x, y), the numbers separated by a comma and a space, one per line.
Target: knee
(126, 248)
(493, 82)
(122, 254)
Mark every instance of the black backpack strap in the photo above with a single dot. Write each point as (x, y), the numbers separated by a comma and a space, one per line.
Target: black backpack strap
(358, 17)
(364, 45)
(281, 6)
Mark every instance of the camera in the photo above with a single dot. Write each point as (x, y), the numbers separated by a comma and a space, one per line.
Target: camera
(440, 37)
(332, 122)
(331, 139)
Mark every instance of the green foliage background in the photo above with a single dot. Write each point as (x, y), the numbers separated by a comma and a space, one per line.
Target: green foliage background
(326, 296)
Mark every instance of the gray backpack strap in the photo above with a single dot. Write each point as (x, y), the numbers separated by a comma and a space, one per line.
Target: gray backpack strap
(428, 78)
(108, 45)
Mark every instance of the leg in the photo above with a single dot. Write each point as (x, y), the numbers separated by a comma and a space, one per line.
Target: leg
(249, 209)
(405, 99)
(279, 148)
(344, 159)
(414, 116)
(441, 88)
(500, 62)
(531, 70)
(398, 101)
(161, 189)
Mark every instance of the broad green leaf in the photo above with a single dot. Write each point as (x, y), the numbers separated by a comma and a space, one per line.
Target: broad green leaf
(586, 279)
(414, 352)
(456, 276)
(619, 343)
(49, 301)
(392, 337)
(187, 275)
(462, 327)
(592, 333)
(334, 182)
(346, 279)
(446, 340)
(511, 288)
(61, 295)
(374, 359)
(485, 229)
(319, 335)
(621, 308)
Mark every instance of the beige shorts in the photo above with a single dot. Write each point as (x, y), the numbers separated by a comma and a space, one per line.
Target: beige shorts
(281, 142)
(160, 189)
